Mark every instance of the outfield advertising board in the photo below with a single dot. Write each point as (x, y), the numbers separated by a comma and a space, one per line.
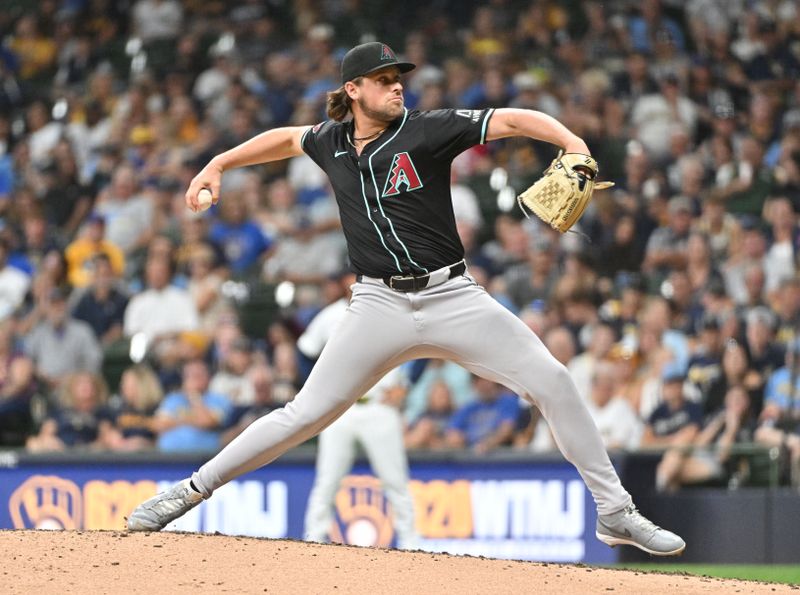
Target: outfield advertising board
(503, 509)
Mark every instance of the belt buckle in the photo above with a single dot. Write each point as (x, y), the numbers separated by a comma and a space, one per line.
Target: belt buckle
(392, 279)
(415, 282)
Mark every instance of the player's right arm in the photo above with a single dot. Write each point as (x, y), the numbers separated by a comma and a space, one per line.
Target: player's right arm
(272, 145)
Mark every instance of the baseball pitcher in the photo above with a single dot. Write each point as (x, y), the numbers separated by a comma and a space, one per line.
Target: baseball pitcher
(390, 171)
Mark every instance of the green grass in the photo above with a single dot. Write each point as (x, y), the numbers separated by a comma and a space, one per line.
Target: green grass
(777, 573)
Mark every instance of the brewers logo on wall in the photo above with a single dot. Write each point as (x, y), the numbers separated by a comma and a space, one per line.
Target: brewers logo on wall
(46, 502)
(363, 514)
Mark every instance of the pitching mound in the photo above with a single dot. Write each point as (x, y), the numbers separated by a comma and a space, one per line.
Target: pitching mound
(111, 562)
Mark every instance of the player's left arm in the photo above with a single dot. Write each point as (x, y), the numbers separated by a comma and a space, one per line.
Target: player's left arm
(507, 122)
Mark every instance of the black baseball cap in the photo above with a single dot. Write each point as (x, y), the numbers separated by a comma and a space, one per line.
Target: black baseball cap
(369, 57)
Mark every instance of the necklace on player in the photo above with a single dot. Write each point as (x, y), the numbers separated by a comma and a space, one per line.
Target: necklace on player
(359, 139)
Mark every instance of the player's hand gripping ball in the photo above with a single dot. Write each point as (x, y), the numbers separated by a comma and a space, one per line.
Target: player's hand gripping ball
(204, 199)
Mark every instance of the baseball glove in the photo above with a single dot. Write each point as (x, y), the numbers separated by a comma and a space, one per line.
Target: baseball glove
(562, 194)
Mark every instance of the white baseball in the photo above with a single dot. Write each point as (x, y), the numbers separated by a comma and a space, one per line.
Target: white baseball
(204, 199)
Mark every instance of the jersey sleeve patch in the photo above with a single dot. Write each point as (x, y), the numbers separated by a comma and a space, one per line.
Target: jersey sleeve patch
(313, 141)
(449, 132)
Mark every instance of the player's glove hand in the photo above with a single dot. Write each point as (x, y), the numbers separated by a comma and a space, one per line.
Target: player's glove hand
(562, 194)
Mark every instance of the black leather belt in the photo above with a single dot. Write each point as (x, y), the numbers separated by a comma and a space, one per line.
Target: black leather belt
(415, 283)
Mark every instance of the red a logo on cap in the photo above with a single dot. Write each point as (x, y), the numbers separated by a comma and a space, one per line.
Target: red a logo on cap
(387, 53)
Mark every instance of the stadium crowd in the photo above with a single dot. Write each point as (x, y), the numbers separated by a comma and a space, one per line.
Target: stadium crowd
(127, 322)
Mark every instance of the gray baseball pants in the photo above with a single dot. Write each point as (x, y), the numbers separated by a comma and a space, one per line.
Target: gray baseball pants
(456, 320)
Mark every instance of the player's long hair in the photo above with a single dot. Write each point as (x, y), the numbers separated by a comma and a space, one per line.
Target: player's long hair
(338, 102)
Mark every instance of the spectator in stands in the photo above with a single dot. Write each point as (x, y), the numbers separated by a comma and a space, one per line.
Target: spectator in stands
(81, 252)
(764, 354)
(51, 274)
(35, 51)
(650, 24)
(79, 419)
(619, 426)
(17, 386)
(161, 312)
(752, 183)
(102, 306)
(457, 379)
(658, 316)
(67, 200)
(622, 313)
(534, 279)
(780, 418)
(673, 425)
(784, 241)
(754, 279)
(744, 256)
(132, 412)
(128, 214)
(561, 343)
(736, 371)
(259, 375)
(700, 267)
(309, 244)
(787, 172)
(60, 344)
(13, 283)
(192, 418)
(657, 115)
(721, 228)
(622, 252)
(193, 231)
(486, 423)
(705, 364)
(652, 356)
(286, 372)
(684, 304)
(666, 248)
(582, 367)
(711, 457)
(786, 305)
(232, 378)
(205, 283)
(241, 240)
(428, 430)
(38, 240)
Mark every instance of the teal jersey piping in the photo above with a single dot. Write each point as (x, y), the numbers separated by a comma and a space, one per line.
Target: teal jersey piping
(485, 126)
(378, 192)
(377, 230)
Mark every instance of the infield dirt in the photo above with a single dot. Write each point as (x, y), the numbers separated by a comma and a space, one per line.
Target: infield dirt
(116, 562)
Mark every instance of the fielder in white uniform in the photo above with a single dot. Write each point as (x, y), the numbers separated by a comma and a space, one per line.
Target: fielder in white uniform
(377, 426)
(390, 172)
(373, 422)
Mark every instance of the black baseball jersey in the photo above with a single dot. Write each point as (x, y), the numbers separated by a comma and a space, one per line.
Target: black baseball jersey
(394, 199)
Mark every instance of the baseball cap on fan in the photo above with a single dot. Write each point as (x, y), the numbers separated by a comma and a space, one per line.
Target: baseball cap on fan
(369, 57)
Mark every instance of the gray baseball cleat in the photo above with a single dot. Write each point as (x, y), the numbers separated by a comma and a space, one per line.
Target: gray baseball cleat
(160, 510)
(629, 527)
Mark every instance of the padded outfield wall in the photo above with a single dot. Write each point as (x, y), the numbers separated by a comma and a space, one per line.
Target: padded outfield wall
(506, 505)
(502, 506)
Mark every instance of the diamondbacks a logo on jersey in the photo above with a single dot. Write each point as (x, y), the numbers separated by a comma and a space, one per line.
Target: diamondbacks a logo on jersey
(402, 174)
(387, 53)
(472, 114)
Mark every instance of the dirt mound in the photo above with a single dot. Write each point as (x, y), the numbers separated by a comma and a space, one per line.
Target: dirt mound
(113, 562)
